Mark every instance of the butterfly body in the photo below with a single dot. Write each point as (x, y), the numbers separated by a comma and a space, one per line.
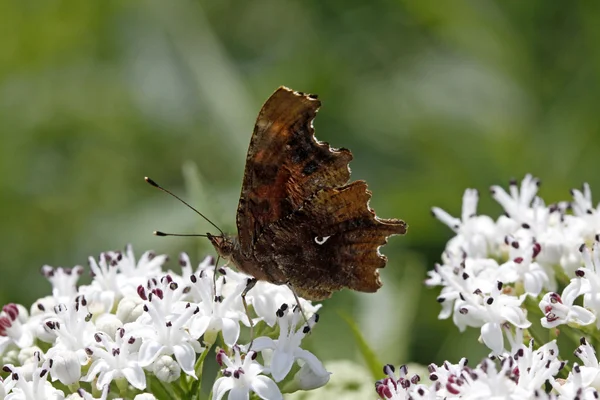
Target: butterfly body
(299, 220)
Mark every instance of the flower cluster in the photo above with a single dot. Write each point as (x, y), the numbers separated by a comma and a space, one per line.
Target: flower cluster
(523, 373)
(136, 328)
(536, 264)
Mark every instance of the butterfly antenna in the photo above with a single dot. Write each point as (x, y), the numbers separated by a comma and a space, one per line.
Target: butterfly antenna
(156, 185)
(159, 233)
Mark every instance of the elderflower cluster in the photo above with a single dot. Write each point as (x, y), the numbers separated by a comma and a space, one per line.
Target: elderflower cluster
(144, 333)
(535, 267)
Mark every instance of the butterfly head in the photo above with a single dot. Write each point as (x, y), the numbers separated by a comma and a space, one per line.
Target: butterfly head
(224, 244)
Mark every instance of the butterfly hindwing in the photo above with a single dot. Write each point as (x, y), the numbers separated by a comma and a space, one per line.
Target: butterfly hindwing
(332, 242)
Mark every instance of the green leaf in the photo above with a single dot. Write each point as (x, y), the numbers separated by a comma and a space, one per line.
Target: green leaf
(373, 363)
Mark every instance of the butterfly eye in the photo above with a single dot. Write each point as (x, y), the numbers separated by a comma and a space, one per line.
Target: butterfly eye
(321, 239)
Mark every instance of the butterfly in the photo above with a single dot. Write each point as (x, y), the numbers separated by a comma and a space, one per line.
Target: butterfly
(300, 222)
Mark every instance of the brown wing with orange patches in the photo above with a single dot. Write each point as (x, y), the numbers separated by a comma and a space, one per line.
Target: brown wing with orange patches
(330, 243)
(285, 164)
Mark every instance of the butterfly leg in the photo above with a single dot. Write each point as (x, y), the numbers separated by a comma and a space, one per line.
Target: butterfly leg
(289, 285)
(249, 285)
(215, 274)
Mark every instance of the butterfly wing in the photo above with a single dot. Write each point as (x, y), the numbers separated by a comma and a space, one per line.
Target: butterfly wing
(285, 164)
(331, 242)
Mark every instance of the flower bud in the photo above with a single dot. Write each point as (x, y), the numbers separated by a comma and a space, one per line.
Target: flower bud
(108, 323)
(309, 378)
(66, 367)
(129, 309)
(166, 369)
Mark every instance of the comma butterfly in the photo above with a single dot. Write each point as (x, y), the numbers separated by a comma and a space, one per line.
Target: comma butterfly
(299, 221)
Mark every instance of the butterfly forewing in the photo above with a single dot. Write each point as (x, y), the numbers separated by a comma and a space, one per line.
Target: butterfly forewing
(285, 165)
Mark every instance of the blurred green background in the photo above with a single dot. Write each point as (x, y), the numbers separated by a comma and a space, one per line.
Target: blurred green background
(431, 96)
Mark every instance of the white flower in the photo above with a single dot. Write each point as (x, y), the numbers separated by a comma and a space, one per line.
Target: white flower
(575, 386)
(521, 268)
(74, 332)
(114, 360)
(71, 326)
(87, 396)
(266, 299)
(66, 366)
(13, 327)
(163, 336)
(475, 234)
(63, 281)
(308, 377)
(186, 266)
(241, 376)
(217, 311)
(490, 312)
(144, 396)
(286, 349)
(402, 387)
(560, 309)
(132, 273)
(535, 367)
(590, 279)
(586, 213)
(478, 301)
(104, 289)
(517, 203)
(33, 387)
(461, 275)
(486, 381)
(589, 372)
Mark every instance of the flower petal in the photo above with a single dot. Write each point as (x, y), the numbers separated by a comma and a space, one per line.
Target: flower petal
(221, 386)
(312, 373)
(265, 388)
(149, 351)
(199, 325)
(231, 331)
(281, 364)
(262, 343)
(312, 361)
(581, 316)
(239, 393)
(186, 357)
(135, 376)
(491, 334)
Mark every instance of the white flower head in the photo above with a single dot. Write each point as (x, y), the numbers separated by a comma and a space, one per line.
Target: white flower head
(576, 386)
(64, 282)
(474, 234)
(589, 275)
(167, 335)
(490, 311)
(220, 308)
(266, 299)
(114, 360)
(559, 309)
(285, 350)
(401, 387)
(14, 327)
(243, 375)
(518, 202)
(31, 386)
(522, 269)
(132, 273)
(590, 370)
